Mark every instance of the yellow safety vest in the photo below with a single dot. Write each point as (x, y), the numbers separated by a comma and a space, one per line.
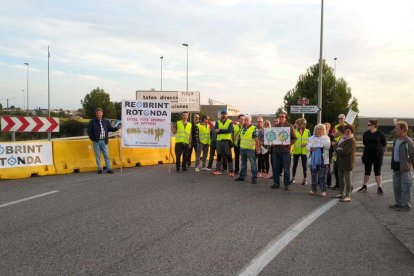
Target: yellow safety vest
(301, 139)
(226, 125)
(247, 141)
(183, 134)
(336, 126)
(204, 134)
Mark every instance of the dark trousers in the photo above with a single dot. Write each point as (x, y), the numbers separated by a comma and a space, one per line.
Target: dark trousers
(281, 159)
(190, 153)
(181, 149)
(263, 162)
(335, 163)
(304, 159)
(236, 159)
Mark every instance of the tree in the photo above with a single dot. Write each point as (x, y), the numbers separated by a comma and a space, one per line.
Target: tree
(336, 95)
(98, 98)
(118, 110)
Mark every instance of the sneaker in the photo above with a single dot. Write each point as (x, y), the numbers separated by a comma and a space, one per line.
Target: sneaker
(259, 175)
(345, 199)
(362, 189)
(292, 181)
(109, 171)
(394, 206)
(196, 169)
(312, 193)
(99, 171)
(231, 173)
(337, 196)
(380, 191)
(323, 194)
(239, 179)
(208, 169)
(287, 188)
(217, 172)
(203, 168)
(304, 182)
(254, 180)
(404, 209)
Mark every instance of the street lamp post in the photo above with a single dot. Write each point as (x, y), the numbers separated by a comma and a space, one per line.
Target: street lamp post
(335, 73)
(161, 57)
(24, 100)
(27, 88)
(320, 69)
(186, 45)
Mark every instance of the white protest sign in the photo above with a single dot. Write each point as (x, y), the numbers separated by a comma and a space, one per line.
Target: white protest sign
(146, 124)
(350, 117)
(24, 154)
(277, 136)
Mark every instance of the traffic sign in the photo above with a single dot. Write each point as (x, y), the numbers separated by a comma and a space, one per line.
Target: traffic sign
(29, 124)
(303, 101)
(307, 109)
(180, 100)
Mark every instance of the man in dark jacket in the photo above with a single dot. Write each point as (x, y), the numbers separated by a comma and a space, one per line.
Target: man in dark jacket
(98, 133)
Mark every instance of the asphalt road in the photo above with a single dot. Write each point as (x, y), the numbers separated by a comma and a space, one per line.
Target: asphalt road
(147, 221)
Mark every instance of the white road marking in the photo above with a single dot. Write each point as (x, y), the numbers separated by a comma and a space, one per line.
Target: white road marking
(267, 254)
(28, 198)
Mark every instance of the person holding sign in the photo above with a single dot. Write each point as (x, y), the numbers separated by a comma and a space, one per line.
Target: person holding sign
(346, 162)
(224, 131)
(281, 155)
(182, 141)
(318, 146)
(98, 129)
(204, 138)
(249, 145)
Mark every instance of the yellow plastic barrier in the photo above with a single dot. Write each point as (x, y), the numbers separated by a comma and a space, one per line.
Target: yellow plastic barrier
(132, 157)
(78, 156)
(26, 172)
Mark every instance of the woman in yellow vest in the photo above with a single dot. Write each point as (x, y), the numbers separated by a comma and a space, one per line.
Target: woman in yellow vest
(299, 149)
(204, 137)
(249, 146)
(182, 141)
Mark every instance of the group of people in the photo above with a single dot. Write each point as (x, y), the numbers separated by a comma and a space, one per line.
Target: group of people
(326, 151)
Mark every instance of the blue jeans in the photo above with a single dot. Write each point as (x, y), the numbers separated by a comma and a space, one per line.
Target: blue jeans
(402, 183)
(281, 159)
(99, 147)
(319, 177)
(250, 155)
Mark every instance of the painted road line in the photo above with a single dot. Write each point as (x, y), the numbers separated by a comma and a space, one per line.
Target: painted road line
(28, 198)
(267, 254)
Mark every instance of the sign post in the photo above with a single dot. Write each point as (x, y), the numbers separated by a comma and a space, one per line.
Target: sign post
(303, 101)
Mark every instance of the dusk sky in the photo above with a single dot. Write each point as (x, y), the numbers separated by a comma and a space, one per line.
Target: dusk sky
(247, 53)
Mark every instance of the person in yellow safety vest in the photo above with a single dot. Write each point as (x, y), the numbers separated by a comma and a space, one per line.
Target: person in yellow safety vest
(249, 146)
(236, 141)
(341, 120)
(299, 149)
(224, 131)
(182, 141)
(204, 137)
